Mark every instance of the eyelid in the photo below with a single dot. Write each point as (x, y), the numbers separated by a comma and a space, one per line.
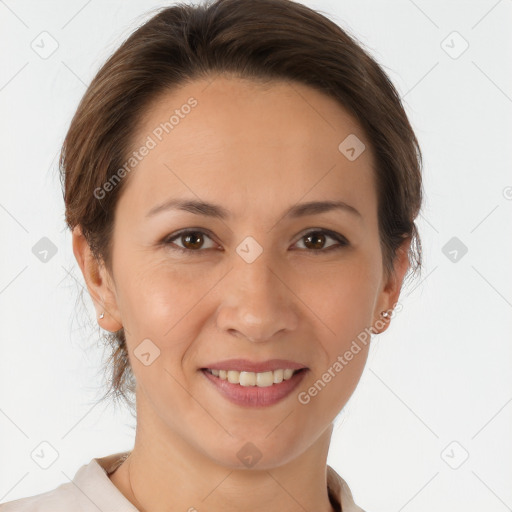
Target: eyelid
(327, 232)
(338, 237)
(169, 240)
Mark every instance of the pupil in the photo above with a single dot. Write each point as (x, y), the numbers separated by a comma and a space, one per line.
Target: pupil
(192, 245)
(319, 239)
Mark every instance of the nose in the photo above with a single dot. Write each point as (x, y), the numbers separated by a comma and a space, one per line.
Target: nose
(256, 301)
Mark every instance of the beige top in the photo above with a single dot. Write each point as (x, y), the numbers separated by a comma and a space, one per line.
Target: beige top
(91, 491)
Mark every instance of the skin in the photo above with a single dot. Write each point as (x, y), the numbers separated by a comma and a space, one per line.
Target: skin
(256, 151)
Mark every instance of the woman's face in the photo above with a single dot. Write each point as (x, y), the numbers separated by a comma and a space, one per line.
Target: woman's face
(256, 284)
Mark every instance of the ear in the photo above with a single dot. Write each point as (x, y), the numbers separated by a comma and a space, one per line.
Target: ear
(99, 283)
(390, 292)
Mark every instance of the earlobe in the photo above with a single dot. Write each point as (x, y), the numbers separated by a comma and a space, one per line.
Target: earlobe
(97, 282)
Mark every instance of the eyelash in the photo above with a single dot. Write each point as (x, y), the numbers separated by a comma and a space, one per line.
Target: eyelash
(168, 241)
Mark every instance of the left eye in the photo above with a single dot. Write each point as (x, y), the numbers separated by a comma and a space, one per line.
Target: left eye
(318, 237)
(193, 240)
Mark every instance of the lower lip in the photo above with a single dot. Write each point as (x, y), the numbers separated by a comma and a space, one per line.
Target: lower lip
(254, 396)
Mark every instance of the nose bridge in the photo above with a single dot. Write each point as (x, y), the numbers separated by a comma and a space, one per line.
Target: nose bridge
(254, 302)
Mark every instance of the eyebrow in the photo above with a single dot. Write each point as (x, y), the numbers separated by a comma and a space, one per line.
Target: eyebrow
(216, 211)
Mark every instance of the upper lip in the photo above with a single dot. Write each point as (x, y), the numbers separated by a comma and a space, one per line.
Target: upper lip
(245, 365)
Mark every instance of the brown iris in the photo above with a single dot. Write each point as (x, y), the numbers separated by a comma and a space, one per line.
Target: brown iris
(318, 240)
(192, 240)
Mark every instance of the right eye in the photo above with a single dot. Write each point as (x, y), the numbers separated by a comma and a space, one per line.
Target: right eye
(192, 240)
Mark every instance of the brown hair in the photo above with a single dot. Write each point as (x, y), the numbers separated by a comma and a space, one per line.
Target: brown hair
(262, 40)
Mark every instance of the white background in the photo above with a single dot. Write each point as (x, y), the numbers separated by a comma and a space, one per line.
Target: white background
(440, 374)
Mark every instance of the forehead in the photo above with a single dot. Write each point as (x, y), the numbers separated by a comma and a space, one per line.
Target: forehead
(241, 142)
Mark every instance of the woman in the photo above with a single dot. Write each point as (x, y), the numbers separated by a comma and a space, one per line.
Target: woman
(241, 182)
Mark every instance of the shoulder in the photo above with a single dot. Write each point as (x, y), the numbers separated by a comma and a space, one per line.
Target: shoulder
(89, 491)
(62, 498)
(340, 493)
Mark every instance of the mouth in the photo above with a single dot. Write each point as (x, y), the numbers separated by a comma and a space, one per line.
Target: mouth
(254, 389)
(257, 379)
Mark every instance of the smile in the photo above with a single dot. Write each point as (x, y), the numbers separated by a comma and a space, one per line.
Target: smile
(254, 389)
(260, 379)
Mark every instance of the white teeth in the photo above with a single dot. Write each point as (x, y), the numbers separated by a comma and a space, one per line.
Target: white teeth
(278, 376)
(287, 374)
(233, 377)
(261, 379)
(249, 379)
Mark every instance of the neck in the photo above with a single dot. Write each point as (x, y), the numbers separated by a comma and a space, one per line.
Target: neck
(164, 472)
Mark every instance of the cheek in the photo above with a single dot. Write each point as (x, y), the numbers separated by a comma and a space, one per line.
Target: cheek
(157, 296)
(167, 303)
(343, 301)
(157, 304)
(169, 300)
(341, 295)
(343, 298)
